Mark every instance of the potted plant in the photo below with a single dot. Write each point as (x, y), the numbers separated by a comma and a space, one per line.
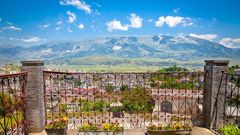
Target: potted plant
(103, 129)
(57, 126)
(173, 128)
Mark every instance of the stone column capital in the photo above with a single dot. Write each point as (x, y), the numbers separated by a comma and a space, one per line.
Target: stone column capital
(217, 62)
(32, 63)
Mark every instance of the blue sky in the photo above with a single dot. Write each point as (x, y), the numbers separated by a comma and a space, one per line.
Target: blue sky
(37, 21)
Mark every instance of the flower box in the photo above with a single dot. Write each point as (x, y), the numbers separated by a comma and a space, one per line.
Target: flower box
(57, 126)
(55, 131)
(99, 133)
(168, 132)
(100, 129)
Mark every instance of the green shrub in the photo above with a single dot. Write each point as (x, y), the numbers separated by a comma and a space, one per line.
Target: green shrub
(87, 106)
(137, 100)
(230, 129)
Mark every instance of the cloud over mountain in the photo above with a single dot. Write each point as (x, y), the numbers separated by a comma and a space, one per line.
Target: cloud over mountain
(204, 36)
(230, 42)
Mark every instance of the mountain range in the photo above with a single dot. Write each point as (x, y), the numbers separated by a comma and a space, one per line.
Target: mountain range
(112, 50)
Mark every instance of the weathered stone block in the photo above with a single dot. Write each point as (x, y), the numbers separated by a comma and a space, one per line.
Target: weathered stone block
(35, 95)
(213, 105)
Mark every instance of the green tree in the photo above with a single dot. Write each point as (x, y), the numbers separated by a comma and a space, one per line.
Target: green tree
(137, 100)
(173, 69)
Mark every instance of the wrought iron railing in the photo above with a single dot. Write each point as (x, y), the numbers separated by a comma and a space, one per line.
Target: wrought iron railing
(130, 99)
(13, 104)
(232, 98)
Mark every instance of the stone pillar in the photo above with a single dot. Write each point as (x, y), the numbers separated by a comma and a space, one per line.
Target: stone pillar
(35, 95)
(214, 90)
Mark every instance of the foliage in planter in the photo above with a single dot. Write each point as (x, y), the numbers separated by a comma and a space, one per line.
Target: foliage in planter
(88, 127)
(112, 127)
(12, 121)
(137, 100)
(176, 118)
(63, 107)
(10, 104)
(57, 123)
(105, 127)
(171, 126)
(230, 129)
(11, 109)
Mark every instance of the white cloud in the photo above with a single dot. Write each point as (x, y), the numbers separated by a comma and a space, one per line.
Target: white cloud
(78, 4)
(150, 20)
(71, 17)
(116, 25)
(81, 26)
(44, 26)
(31, 39)
(59, 22)
(59, 25)
(214, 19)
(187, 22)
(47, 51)
(230, 42)
(96, 4)
(160, 22)
(57, 28)
(12, 27)
(11, 38)
(173, 21)
(96, 12)
(0, 19)
(204, 36)
(176, 10)
(116, 48)
(136, 21)
(69, 29)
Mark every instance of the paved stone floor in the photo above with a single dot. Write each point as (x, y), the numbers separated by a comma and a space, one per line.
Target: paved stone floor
(140, 131)
(126, 132)
(137, 131)
(72, 132)
(201, 131)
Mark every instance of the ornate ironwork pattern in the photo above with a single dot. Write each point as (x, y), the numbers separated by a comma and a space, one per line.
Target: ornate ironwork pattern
(13, 104)
(130, 99)
(232, 98)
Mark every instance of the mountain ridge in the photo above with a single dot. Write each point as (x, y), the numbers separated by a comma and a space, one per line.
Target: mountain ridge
(179, 48)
